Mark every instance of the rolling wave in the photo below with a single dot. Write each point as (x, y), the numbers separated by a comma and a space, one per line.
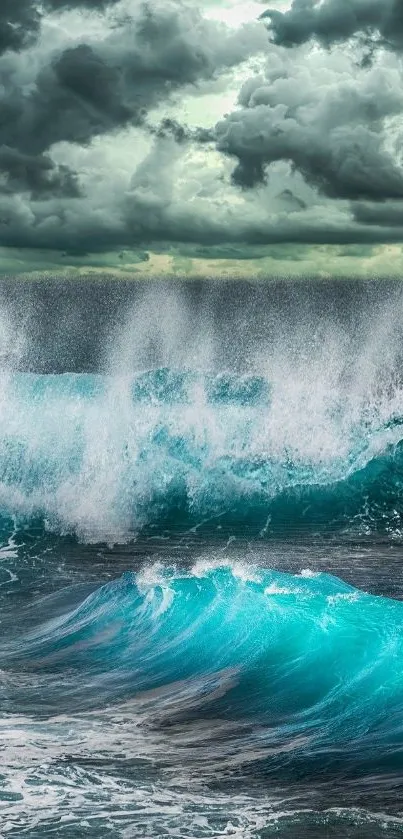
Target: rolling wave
(311, 662)
(201, 693)
(105, 457)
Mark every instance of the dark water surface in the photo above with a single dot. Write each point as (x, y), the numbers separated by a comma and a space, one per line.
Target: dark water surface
(201, 586)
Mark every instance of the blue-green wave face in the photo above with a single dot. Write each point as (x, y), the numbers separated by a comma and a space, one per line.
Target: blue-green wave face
(167, 666)
(312, 663)
(105, 457)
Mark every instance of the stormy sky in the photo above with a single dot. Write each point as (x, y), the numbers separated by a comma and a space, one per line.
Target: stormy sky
(226, 136)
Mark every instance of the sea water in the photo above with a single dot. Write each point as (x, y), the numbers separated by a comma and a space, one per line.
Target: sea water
(201, 626)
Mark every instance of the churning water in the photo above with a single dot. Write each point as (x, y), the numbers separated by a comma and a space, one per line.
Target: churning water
(201, 519)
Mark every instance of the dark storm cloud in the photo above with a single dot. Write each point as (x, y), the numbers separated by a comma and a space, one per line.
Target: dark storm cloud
(79, 95)
(62, 5)
(90, 89)
(333, 21)
(98, 85)
(381, 215)
(351, 163)
(93, 236)
(328, 120)
(19, 23)
(20, 20)
(169, 127)
(149, 212)
(330, 129)
(37, 175)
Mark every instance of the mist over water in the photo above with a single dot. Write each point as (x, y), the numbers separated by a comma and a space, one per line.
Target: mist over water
(281, 409)
(201, 524)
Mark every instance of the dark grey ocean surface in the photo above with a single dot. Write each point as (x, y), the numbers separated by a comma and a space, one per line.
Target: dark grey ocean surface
(201, 559)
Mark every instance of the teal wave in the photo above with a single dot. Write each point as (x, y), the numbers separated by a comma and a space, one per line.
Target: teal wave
(313, 663)
(105, 457)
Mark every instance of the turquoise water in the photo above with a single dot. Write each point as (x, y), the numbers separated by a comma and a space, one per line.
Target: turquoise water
(104, 457)
(230, 641)
(187, 647)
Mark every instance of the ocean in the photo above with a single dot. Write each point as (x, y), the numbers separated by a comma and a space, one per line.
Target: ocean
(201, 559)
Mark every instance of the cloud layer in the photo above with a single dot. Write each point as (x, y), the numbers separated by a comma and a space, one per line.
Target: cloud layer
(157, 125)
(336, 21)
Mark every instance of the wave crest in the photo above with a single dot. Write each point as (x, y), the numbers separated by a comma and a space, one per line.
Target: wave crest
(228, 643)
(105, 457)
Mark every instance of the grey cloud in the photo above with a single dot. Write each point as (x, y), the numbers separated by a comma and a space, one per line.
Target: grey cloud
(338, 20)
(250, 171)
(380, 215)
(62, 5)
(181, 133)
(328, 120)
(149, 212)
(82, 231)
(90, 89)
(77, 97)
(19, 24)
(37, 175)
(291, 201)
(331, 131)
(20, 20)
(350, 164)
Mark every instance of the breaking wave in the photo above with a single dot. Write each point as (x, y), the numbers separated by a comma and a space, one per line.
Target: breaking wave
(311, 662)
(104, 457)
